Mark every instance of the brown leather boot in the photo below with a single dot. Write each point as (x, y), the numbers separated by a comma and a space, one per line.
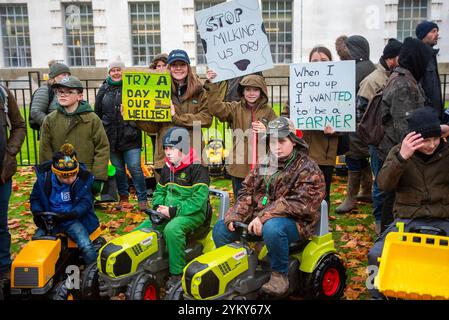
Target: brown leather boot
(277, 286)
(366, 185)
(124, 202)
(351, 192)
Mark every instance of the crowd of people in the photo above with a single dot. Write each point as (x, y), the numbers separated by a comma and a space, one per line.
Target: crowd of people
(280, 198)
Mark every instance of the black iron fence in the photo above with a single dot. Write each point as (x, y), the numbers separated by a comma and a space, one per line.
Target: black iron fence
(23, 90)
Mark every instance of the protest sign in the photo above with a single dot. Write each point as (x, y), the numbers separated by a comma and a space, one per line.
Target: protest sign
(146, 96)
(322, 94)
(234, 39)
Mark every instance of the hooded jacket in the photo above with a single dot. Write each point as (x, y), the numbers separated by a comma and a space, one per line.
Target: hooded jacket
(240, 116)
(84, 130)
(422, 188)
(185, 189)
(14, 138)
(295, 190)
(404, 95)
(122, 135)
(359, 50)
(187, 110)
(80, 193)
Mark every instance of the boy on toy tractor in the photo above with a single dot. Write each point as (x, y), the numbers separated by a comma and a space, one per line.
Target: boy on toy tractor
(280, 200)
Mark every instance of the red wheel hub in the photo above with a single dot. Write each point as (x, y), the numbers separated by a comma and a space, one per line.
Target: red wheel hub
(331, 282)
(150, 293)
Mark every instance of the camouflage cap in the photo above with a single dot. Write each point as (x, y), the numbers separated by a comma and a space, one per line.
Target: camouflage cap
(282, 127)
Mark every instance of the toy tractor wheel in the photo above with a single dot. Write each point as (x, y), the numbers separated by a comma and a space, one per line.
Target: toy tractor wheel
(144, 287)
(89, 285)
(328, 280)
(61, 292)
(99, 243)
(176, 292)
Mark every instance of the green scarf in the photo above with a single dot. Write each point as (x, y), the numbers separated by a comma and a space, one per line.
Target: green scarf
(112, 82)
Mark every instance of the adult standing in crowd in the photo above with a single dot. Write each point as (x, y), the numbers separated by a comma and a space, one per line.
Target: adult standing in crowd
(44, 99)
(428, 32)
(188, 105)
(125, 139)
(368, 89)
(359, 172)
(403, 96)
(12, 135)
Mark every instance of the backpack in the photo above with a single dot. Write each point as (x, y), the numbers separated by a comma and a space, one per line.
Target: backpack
(33, 124)
(371, 129)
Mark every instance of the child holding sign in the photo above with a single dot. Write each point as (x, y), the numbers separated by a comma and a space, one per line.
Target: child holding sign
(249, 113)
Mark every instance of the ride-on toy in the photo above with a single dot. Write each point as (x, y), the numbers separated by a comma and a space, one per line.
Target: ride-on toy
(238, 271)
(216, 157)
(138, 261)
(414, 264)
(39, 270)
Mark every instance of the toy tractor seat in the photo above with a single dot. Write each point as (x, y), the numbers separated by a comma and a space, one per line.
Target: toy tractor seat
(322, 228)
(93, 237)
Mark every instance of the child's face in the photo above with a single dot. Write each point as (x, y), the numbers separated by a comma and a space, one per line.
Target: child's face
(67, 180)
(282, 147)
(179, 70)
(68, 97)
(161, 66)
(251, 94)
(173, 155)
(429, 145)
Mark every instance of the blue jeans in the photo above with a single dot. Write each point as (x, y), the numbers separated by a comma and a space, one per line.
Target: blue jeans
(277, 234)
(132, 160)
(5, 237)
(356, 164)
(78, 233)
(378, 195)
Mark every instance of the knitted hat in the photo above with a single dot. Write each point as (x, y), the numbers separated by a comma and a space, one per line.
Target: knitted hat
(425, 121)
(423, 28)
(160, 57)
(178, 138)
(58, 68)
(116, 63)
(178, 55)
(64, 162)
(392, 49)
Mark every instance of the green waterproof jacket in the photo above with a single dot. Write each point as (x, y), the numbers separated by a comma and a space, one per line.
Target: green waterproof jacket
(185, 189)
(84, 130)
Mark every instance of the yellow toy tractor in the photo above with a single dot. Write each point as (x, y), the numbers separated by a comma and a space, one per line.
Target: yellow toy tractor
(41, 268)
(216, 157)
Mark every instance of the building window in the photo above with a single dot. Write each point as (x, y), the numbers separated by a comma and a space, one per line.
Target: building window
(15, 35)
(410, 13)
(200, 5)
(79, 32)
(278, 20)
(145, 32)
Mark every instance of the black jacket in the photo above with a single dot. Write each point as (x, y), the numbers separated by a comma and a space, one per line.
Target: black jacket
(431, 84)
(122, 135)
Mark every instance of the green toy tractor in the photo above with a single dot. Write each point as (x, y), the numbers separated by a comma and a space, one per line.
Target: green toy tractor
(137, 263)
(237, 271)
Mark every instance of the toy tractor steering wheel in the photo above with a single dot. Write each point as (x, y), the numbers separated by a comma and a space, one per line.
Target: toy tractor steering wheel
(242, 228)
(156, 217)
(49, 219)
(428, 230)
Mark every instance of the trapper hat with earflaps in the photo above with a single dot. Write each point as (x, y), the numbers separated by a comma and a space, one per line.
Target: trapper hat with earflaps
(64, 162)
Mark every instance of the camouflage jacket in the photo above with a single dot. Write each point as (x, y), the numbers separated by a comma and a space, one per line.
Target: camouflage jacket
(295, 190)
(399, 100)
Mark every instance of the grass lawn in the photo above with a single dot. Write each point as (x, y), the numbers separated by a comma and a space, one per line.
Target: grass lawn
(353, 233)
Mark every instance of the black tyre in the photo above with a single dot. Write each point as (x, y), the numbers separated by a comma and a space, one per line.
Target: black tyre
(143, 287)
(89, 284)
(327, 281)
(176, 292)
(99, 243)
(61, 292)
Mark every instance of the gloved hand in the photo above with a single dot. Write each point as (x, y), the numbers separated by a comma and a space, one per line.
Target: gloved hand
(66, 216)
(97, 186)
(38, 221)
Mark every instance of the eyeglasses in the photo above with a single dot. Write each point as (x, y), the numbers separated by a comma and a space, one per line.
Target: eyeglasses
(65, 93)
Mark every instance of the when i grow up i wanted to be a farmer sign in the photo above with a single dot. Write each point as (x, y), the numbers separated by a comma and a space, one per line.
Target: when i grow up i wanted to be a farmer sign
(146, 96)
(323, 94)
(234, 39)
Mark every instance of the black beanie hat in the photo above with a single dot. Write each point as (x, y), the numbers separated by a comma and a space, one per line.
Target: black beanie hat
(392, 49)
(423, 28)
(425, 121)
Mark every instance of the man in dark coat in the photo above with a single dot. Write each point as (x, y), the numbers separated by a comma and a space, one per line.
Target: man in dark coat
(428, 32)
